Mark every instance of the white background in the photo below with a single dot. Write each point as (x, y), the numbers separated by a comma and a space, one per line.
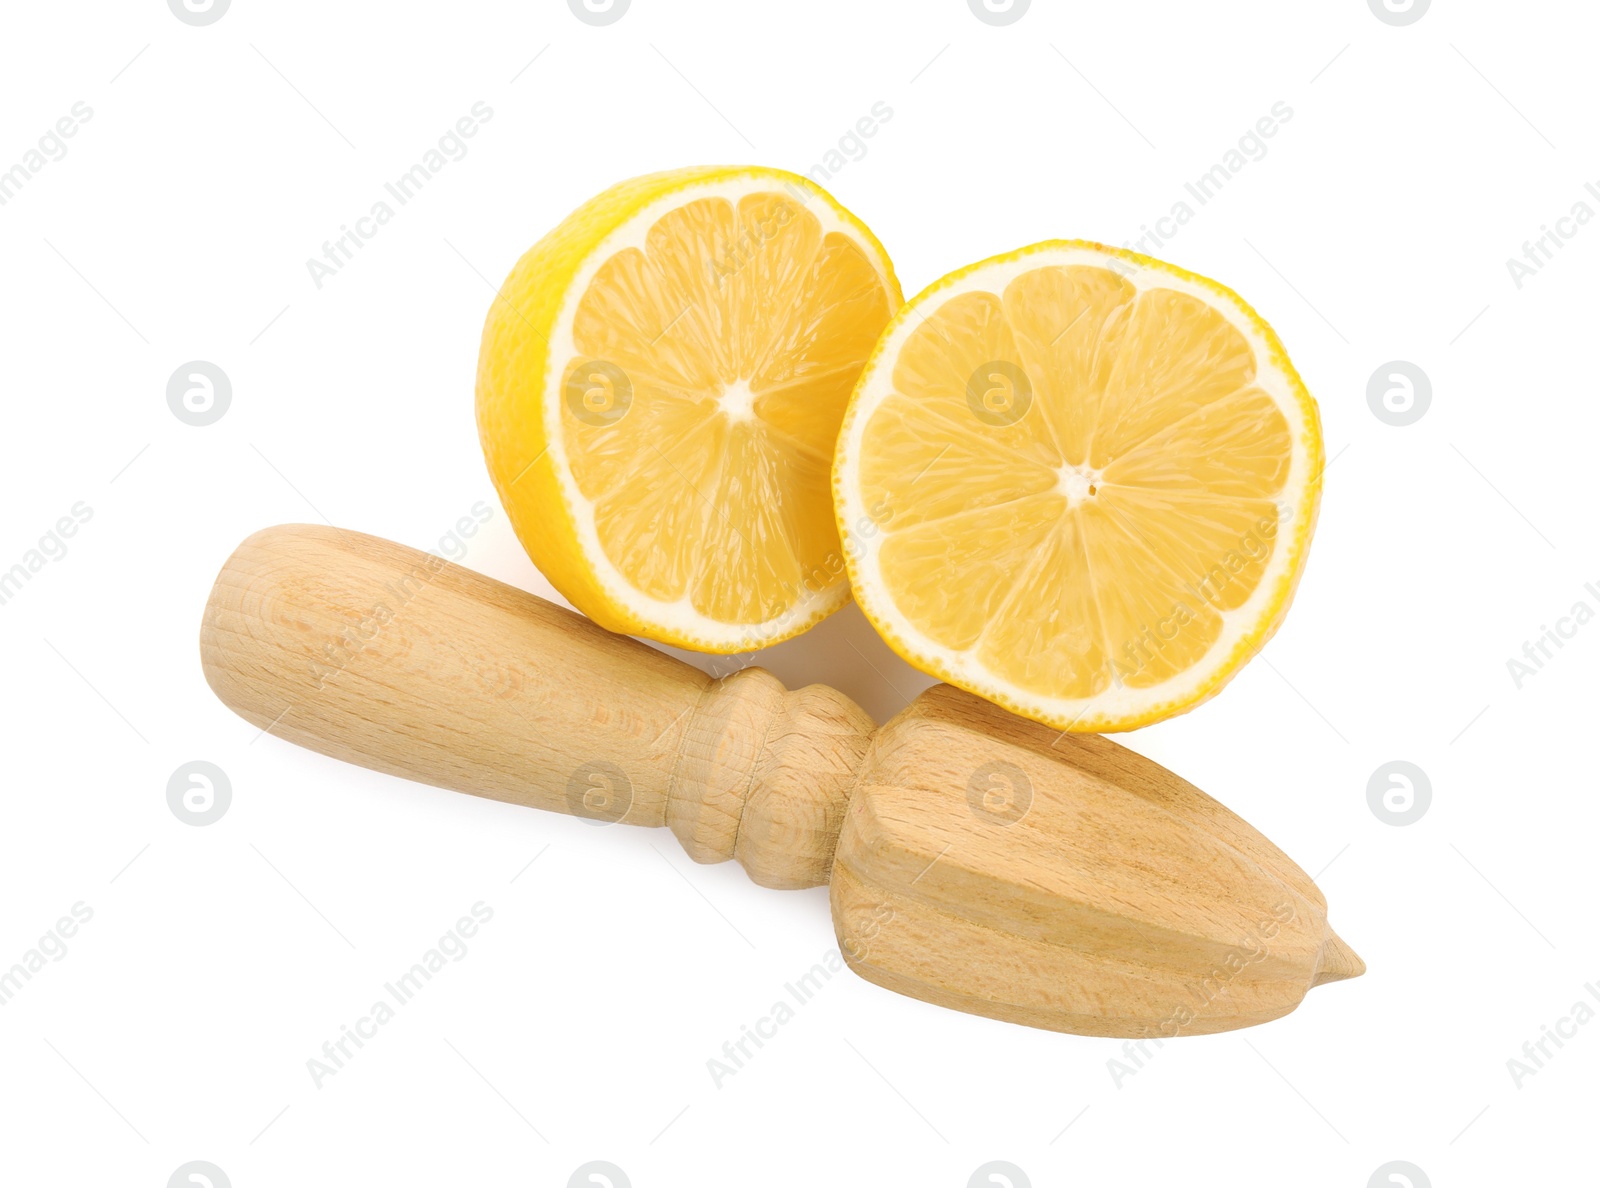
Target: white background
(219, 959)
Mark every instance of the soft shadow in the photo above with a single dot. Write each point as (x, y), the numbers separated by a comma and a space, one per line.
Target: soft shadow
(843, 651)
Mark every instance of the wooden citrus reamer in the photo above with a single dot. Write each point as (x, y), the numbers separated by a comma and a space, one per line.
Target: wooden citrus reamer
(976, 860)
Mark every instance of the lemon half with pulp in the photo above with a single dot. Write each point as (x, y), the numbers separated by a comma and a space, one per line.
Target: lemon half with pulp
(1079, 482)
(660, 388)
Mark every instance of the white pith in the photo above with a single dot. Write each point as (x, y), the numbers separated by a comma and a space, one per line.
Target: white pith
(737, 402)
(1078, 482)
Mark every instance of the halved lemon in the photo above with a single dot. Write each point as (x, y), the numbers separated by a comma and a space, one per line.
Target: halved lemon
(660, 388)
(1079, 482)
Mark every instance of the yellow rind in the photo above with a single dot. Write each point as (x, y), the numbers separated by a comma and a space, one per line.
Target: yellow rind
(1253, 639)
(515, 375)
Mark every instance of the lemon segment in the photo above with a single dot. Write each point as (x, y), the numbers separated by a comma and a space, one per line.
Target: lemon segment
(660, 389)
(1079, 482)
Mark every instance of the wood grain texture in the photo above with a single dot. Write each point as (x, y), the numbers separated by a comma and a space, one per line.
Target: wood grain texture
(991, 864)
(395, 659)
(976, 860)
